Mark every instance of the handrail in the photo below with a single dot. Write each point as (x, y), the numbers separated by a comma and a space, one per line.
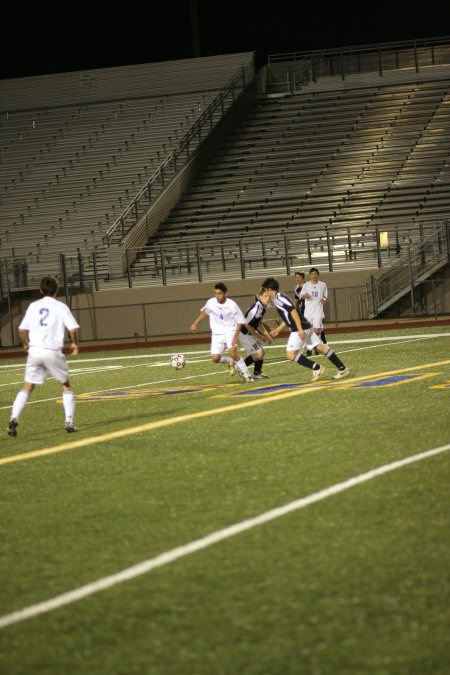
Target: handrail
(294, 70)
(419, 261)
(173, 162)
(353, 49)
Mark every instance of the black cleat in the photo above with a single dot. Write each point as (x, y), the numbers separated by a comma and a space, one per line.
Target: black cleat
(70, 427)
(12, 427)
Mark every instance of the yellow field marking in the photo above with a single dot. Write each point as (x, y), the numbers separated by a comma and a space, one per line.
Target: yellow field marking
(159, 424)
(445, 385)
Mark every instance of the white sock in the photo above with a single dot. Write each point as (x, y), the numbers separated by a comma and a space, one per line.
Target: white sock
(69, 405)
(242, 367)
(19, 403)
(226, 359)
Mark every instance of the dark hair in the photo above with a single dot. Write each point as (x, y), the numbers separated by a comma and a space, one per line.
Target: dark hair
(221, 287)
(271, 283)
(49, 285)
(314, 269)
(301, 274)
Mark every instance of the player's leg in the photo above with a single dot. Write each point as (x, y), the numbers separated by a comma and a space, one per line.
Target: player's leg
(57, 366)
(255, 353)
(69, 407)
(218, 346)
(239, 362)
(294, 352)
(314, 323)
(18, 405)
(35, 373)
(259, 362)
(318, 327)
(343, 371)
(245, 343)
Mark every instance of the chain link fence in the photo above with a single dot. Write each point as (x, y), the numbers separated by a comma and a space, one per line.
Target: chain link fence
(172, 319)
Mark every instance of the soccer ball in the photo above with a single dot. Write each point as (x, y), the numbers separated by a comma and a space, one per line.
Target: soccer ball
(178, 361)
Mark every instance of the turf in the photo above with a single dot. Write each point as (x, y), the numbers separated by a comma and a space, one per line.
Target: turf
(357, 583)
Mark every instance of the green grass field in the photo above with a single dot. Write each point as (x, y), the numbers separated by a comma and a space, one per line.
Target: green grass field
(351, 582)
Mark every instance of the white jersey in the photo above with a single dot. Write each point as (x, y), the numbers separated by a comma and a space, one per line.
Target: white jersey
(313, 305)
(46, 320)
(224, 317)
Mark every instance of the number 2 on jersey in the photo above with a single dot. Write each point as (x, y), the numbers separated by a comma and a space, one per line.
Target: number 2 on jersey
(44, 312)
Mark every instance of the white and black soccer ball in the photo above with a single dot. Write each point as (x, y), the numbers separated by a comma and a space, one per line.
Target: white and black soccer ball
(178, 361)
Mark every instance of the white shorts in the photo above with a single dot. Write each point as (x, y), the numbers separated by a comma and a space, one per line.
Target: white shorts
(315, 321)
(221, 342)
(41, 362)
(250, 343)
(296, 344)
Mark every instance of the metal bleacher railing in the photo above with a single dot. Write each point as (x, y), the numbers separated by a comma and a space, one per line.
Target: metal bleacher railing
(249, 256)
(414, 266)
(292, 71)
(143, 201)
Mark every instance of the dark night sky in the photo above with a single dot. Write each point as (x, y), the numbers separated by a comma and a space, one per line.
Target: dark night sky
(59, 37)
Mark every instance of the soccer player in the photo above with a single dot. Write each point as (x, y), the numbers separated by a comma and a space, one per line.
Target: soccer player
(253, 334)
(42, 333)
(315, 294)
(298, 301)
(302, 334)
(226, 320)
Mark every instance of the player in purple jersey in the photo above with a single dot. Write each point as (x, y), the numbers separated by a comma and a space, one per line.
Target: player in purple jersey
(302, 334)
(254, 334)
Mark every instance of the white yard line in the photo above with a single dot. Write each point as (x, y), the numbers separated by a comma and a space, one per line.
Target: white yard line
(426, 336)
(184, 550)
(180, 379)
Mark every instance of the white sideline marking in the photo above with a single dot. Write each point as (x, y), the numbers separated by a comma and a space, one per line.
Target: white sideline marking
(82, 371)
(207, 541)
(119, 357)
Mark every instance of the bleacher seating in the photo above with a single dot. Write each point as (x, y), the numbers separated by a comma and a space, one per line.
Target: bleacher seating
(67, 173)
(359, 158)
(339, 164)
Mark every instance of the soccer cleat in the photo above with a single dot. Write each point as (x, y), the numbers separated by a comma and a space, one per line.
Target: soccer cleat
(260, 376)
(249, 378)
(232, 369)
(341, 373)
(70, 427)
(317, 373)
(12, 427)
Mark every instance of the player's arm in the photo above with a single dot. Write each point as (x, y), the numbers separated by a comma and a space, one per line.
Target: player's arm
(235, 340)
(200, 317)
(304, 295)
(258, 335)
(263, 334)
(279, 329)
(325, 295)
(74, 348)
(24, 336)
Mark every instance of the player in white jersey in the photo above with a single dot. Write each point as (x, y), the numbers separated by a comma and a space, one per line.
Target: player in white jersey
(315, 294)
(42, 333)
(225, 320)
